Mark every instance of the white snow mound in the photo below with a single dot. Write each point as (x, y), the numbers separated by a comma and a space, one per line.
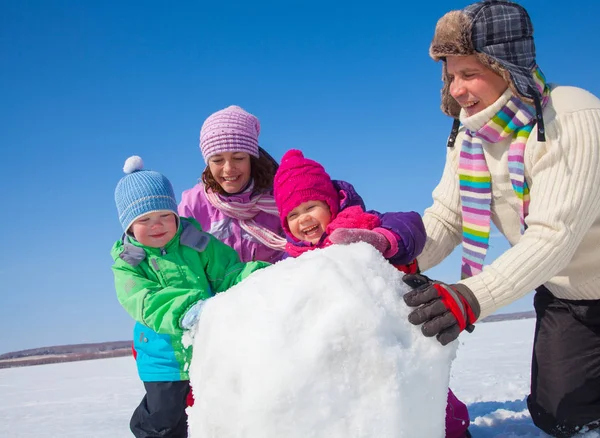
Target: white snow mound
(317, 346)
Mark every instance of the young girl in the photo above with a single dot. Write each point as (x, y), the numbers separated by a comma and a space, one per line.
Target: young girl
(234, 201)
(165, 267)
(316, 212)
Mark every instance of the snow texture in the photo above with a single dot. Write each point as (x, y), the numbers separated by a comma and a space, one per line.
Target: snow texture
(317, 346)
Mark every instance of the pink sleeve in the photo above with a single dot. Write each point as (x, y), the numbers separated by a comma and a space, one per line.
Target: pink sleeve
(189, 201)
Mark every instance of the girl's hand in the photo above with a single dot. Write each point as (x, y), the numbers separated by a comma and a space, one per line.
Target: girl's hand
(346, 236)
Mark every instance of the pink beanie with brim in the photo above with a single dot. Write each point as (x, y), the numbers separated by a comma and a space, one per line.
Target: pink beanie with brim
(230, 130)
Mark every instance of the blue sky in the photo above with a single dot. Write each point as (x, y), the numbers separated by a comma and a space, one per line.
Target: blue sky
(84, 85)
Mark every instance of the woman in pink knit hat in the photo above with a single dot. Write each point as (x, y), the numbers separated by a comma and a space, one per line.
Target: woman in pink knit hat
(316, 212)
(234, 199)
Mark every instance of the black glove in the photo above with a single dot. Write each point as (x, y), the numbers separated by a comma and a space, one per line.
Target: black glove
(444, 310)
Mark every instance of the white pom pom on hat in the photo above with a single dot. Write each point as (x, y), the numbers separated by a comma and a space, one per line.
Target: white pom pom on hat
(133, 164)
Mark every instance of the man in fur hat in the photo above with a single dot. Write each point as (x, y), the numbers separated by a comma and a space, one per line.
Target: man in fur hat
(524, 154)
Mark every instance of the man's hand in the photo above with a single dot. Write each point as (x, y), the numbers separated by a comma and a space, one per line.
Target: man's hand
(444, 310)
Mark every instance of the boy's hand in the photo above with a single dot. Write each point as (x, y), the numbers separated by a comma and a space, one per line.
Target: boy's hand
(192, 315)
(346, 236)
(444, 310)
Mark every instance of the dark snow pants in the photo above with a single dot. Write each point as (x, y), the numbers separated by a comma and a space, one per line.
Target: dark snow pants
(162, 411)
(565, 369)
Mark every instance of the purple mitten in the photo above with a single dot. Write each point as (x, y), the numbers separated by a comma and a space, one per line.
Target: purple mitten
(345, 236)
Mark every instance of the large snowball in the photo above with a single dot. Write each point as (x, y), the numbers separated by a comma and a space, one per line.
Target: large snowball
(317, 346)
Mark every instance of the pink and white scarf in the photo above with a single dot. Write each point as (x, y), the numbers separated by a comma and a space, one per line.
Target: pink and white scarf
(245, 212)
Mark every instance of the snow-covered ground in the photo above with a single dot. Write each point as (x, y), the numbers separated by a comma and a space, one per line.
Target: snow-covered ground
(95, 398)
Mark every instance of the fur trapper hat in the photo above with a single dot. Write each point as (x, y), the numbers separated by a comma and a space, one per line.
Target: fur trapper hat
(500, 34)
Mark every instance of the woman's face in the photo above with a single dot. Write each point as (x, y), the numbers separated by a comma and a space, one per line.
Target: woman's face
(473, 85)
(231, 170)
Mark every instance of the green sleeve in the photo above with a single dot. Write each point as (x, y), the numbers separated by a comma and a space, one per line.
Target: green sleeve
(224, 268)
(157, 307)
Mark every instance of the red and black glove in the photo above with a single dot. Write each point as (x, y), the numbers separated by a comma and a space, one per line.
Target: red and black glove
(444, 310)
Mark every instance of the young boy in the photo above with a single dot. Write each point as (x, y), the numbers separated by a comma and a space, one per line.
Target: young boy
(165, 268)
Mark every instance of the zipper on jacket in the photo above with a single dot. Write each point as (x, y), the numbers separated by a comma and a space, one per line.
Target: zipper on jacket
(155, 263)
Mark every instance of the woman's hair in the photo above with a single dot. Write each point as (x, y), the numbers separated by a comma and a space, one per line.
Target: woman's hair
(262, 172)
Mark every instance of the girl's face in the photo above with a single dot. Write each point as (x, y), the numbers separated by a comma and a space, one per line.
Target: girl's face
(309, 220)
(231, 170)
(155, 229)
(473, 85)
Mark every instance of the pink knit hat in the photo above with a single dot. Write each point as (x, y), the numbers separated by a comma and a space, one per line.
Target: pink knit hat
(230, 130)
(299, 180)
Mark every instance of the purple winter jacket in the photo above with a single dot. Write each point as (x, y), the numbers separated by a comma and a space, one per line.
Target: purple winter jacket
(407, 225)
(227, 229)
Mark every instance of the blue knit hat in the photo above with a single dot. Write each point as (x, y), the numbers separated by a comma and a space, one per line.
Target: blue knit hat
(141, 192)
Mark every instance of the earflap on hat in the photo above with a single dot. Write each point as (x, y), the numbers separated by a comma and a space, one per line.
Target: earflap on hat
(449, 105)
(452, 37)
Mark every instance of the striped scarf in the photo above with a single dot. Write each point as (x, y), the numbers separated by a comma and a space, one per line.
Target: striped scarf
(515, 120)
(245, 212)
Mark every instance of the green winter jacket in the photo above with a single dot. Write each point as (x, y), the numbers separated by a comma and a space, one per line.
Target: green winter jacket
(157, 286)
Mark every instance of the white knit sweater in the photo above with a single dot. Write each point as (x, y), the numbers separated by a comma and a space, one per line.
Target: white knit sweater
(561, 246)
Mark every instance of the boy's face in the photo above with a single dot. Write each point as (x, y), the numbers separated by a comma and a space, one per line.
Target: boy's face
(155, 229)
(309, 220)
(231, 170)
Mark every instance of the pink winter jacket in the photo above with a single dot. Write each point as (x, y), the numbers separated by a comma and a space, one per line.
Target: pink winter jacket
(227, 229)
